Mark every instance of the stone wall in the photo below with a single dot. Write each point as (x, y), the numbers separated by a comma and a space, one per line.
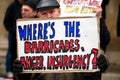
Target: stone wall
(3, 6)
(3, 35)
(112, 12)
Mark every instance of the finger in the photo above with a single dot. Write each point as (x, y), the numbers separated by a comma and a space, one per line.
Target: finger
(98, 11)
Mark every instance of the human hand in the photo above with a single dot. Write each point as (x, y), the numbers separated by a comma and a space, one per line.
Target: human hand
(102, 63)
(98, 11)
(17, 66)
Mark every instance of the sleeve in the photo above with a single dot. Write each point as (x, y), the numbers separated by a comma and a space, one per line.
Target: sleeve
(8, 24)
(105, 2)
(104, 35)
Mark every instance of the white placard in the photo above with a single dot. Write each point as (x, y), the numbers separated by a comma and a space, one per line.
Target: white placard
(58, 45)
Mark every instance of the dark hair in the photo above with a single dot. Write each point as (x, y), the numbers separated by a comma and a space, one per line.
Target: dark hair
(31, 3)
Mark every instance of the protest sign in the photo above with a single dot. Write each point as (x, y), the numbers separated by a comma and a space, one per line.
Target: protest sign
(58, 45)
(70, 8)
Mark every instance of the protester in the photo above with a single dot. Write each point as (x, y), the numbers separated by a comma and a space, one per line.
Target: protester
(48, 9)
(49, 12)
(51, 9)
(13, 12)
(28, 10)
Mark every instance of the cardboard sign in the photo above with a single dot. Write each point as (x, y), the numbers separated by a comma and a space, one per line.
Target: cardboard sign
(78, 7)
(58, 45)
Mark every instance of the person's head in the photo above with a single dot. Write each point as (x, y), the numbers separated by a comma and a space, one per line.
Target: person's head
(28, 9)
(21, 1)
(48, 9)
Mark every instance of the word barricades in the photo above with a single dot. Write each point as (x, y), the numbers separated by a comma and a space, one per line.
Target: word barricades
(58, 45)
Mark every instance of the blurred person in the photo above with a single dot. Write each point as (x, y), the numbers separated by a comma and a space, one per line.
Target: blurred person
(28, 10)
(13, 12)
(51, 9)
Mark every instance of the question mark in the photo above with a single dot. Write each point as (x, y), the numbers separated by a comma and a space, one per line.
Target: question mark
(94, 61)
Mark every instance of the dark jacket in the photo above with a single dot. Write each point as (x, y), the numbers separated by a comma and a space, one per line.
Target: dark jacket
(13, 12)
(104, 3)
(104, 35)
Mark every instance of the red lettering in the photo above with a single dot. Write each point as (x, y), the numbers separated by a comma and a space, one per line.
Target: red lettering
(40, 47)
(27, 47)
(77, 45)
(95, 52)
(45, 47)
(67, 45)
(61, 46)
(55, 44)
(32, 63)
(34, 46)
(52, 46)
(71, 45)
